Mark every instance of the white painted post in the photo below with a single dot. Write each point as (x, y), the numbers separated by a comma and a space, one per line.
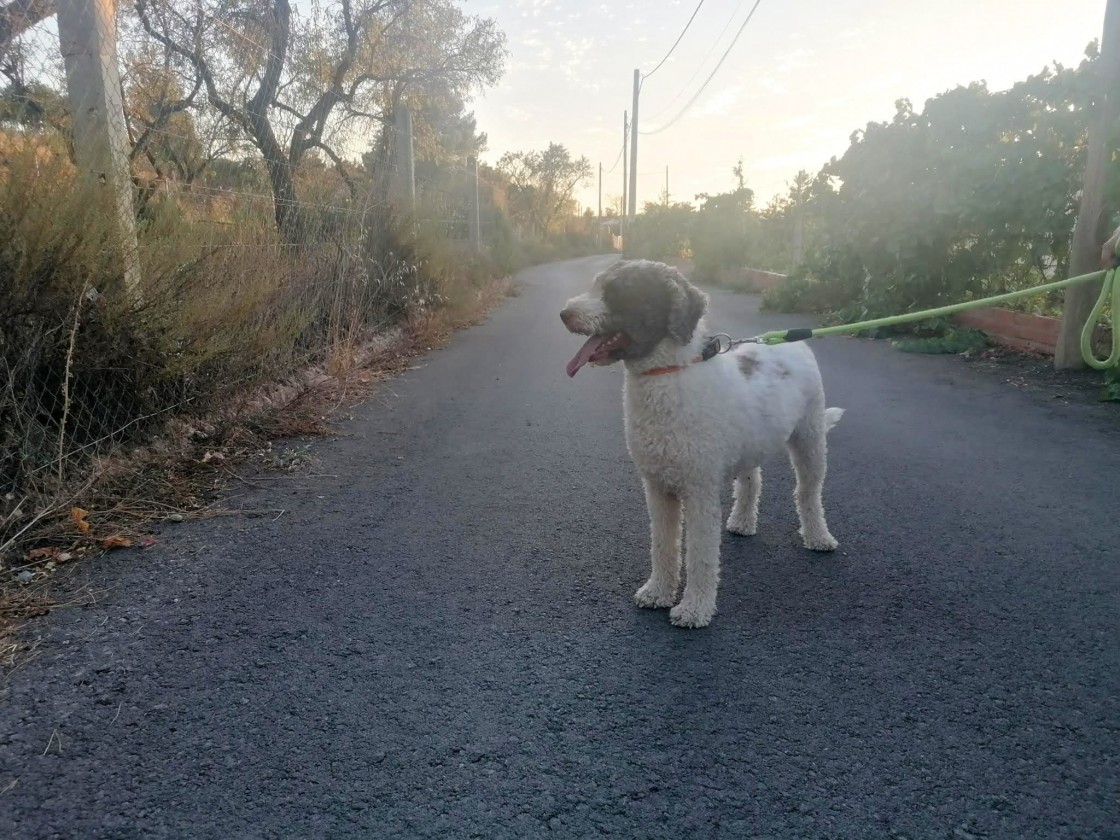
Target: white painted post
(87, 39)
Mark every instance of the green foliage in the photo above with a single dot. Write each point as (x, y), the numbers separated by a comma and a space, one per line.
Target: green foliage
(719, 238)
(662, 232)
(954, 340)
(800, 292)
(1111, 391)
(974, 195)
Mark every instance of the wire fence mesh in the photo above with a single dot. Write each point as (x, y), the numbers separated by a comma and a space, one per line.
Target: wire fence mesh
(265, 235)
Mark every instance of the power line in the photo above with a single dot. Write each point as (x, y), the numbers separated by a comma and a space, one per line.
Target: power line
(711, 75)
(683, 31)
(703, 61)
(617, 159)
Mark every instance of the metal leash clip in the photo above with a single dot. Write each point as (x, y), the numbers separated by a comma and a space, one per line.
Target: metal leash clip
(721, 343)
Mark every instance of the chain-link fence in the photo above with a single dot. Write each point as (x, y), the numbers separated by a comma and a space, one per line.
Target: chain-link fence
(259, 232)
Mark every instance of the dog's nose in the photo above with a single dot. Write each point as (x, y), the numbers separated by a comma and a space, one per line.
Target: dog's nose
(567, 316)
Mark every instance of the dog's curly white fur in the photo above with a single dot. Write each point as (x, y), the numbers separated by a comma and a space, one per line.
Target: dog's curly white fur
(691, 425)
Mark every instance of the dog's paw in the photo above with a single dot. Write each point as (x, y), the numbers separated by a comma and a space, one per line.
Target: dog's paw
(654, 597)
(825, 542)
(742, 527)
(691, 615)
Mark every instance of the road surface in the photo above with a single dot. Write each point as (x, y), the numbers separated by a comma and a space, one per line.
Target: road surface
(437, 639)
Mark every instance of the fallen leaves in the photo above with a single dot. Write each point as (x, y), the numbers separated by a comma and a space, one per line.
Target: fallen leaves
(114, 541)
(51, 555)
(79, 516)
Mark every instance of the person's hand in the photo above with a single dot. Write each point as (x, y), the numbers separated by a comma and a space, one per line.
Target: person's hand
(1109, 259)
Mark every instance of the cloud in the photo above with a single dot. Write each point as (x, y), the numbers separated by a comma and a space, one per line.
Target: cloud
(720, 102)
(791, 60)
(811, 159)
(804, 121)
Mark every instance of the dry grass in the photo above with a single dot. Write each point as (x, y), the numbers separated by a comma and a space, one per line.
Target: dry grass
(180, 474)
(136, 408)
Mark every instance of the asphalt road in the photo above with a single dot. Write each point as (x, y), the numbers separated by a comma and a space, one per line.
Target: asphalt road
(437, 639)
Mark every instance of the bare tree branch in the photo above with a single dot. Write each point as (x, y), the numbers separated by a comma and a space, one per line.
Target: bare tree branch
(19, 16)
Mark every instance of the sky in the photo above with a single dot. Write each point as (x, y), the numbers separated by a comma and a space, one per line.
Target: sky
(803, 75)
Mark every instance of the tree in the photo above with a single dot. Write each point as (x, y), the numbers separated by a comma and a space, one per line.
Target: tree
(1092, 217)
(662, 232)
(719, 239)
(27, 99)
(18, 16)
(542, 183)
(973, 195)
(293, 84)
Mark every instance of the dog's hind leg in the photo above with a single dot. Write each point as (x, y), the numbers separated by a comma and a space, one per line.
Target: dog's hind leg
(808, 451)
(702, 533)
(665, 549)
(744, 513)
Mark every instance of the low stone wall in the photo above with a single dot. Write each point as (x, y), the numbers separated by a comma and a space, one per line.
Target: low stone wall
(1023, 331)
(1020, 330)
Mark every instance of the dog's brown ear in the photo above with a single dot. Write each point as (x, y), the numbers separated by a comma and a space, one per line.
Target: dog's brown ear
(689, 305)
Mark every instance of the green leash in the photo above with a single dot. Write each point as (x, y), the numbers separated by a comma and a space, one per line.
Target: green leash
(1110, 289)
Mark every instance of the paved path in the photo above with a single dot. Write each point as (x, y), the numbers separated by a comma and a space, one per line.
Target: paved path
(437, 639)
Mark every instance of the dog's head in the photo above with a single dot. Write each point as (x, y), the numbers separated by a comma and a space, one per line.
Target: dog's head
(632, 307)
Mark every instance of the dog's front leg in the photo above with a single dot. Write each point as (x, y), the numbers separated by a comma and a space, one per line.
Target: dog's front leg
(665, 549)
(702, 534)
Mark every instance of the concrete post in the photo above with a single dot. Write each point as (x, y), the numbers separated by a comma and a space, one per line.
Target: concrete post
(87, 38)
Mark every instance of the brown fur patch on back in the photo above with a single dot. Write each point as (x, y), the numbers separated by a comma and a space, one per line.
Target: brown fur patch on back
(748, 365)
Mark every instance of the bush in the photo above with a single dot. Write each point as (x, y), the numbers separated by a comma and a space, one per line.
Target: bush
(661, 233)
(1111, 391)
(802, 292)
(954, 340)
(222, 304)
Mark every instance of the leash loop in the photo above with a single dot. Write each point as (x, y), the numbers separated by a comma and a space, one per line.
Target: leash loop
(1110, 289)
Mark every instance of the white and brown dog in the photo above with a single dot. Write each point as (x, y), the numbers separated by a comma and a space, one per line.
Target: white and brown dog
(692, 424)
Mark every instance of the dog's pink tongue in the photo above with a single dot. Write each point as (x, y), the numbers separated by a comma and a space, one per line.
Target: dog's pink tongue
(585, 353)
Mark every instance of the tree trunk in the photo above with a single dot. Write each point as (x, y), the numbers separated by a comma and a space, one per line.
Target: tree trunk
(1090, 229)
(286, 208)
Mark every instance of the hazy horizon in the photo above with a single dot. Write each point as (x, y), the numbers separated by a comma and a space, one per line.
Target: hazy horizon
(800, 80)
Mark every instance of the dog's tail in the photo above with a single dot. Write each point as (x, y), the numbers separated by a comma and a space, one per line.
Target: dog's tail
(832, 417)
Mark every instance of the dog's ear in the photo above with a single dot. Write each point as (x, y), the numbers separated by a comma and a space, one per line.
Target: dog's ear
(688, 306)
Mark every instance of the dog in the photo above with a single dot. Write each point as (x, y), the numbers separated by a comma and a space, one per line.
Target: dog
(694, 422)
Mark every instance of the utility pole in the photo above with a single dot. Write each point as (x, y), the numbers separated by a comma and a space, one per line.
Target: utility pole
(1090, 229)
(798, 247)
(87, 39)
(599, 228)
(634, 149)
(473, 211)
(666, 186)
(622, 222)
